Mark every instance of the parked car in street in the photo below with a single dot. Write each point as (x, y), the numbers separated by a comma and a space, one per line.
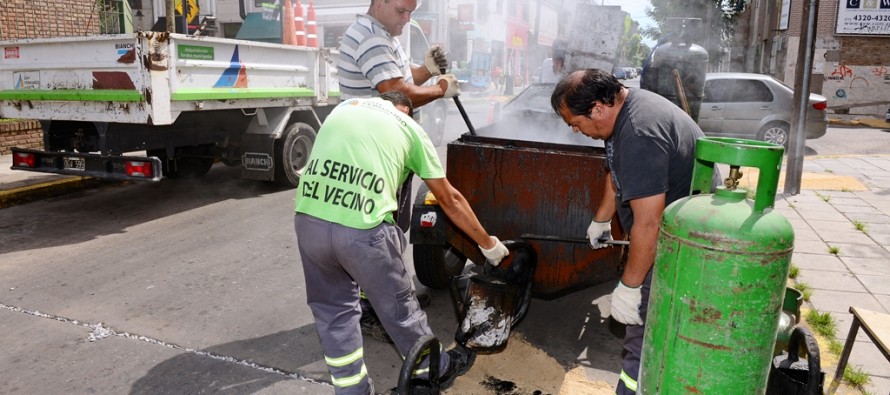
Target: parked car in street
(756, 106)
(621, 73)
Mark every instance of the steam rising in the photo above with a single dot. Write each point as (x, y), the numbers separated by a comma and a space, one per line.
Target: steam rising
(529, 117)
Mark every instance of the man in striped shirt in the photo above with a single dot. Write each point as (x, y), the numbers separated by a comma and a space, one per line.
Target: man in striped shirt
(372, 60)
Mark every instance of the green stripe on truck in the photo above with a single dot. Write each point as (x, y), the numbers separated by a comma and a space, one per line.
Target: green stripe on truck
(240, 93)
(118, 95)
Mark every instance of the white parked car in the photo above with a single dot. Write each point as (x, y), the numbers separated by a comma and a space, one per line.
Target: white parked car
(755, 106)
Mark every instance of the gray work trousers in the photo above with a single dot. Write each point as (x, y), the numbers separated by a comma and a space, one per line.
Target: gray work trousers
(633, 345)
(337, 260)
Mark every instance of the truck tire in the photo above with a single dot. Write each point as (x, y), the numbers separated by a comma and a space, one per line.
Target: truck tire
(292, 149)
(434, 123)
(436, 265)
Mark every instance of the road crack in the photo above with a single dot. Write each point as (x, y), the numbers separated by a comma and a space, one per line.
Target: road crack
(99, 331)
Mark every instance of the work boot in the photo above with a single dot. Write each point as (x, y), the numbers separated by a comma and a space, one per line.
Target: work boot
(461, 360)
(371, 325)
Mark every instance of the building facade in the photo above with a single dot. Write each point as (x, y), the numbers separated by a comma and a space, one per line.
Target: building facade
(38, 19)
(851, 62)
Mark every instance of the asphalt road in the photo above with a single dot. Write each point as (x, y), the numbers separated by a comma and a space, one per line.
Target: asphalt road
(196, 286)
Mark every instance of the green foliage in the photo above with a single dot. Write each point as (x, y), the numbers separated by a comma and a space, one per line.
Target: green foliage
(718, 20)
(835, 347)
(834, 250)
(856, 376)
(793, 272)
(825, 198)
(860, 226)
(822, 323)
(630, 52)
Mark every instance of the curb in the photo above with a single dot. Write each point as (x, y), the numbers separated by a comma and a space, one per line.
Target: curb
(870, 122)
(29, 193)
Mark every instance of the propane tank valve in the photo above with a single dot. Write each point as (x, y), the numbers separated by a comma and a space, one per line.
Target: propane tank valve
(732, 182)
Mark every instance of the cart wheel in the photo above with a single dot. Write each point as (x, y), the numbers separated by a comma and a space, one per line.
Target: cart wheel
(436, 265)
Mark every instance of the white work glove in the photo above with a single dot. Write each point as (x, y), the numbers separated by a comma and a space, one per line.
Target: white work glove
(497, 253)
(626, 304)
(453, 86)
(598, 233)
(435, 60)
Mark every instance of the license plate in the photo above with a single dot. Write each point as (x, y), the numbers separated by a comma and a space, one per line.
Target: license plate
(73, 163)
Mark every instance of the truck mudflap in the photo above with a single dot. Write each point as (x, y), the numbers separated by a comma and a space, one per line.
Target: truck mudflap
(134, 168)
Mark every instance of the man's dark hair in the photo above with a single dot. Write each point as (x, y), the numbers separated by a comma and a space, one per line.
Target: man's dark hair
(399, 98)
(578, 91)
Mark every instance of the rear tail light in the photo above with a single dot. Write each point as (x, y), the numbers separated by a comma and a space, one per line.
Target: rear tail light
(139, 169)
(821, 106)
(25, 159)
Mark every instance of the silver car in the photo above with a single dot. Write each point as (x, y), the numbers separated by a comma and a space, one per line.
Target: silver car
(755, 106)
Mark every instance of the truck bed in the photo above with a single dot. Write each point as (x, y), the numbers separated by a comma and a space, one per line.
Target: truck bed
(152, 77)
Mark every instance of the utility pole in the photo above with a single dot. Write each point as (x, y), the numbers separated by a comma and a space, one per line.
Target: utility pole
(171, 16)
(802, 74)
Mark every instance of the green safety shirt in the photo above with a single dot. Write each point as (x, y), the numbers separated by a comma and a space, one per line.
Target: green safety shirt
(363, 153)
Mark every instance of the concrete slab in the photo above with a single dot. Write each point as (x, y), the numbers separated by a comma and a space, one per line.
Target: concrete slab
(824, 214)
(870, 219)
(884, 300)
(840, 301)
(861, 251)
(46, 356)
(821, 262)
(826, 226)
(877, 385)
(852, 209)
(810, 246)
(848, 200)
(876, 284)
(805, 234)
(842, 323)
(846, 237)
(869, 358)
(867, 266)
(835, 281)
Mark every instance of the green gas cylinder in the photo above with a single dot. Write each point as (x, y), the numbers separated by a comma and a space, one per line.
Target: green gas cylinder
(719, 279)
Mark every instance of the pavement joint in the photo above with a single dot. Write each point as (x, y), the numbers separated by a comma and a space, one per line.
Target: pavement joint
(100, 331)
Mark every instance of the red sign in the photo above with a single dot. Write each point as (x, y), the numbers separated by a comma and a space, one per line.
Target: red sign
(10, 52)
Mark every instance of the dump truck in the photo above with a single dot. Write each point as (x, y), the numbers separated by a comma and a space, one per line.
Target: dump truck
(150, 104)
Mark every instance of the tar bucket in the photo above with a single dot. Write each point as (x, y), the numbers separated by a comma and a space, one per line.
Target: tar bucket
(789, 375)
(719, 278)
(496, 300)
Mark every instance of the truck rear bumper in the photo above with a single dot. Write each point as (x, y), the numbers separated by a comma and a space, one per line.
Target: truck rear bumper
(135, 168)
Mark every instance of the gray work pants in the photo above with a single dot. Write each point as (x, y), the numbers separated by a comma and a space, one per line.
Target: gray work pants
(633, 345)
(337, 260)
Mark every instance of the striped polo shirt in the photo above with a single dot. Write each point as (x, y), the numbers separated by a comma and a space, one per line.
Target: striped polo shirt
(369, 55)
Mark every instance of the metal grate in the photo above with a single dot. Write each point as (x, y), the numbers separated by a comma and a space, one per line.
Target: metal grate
(114, 16)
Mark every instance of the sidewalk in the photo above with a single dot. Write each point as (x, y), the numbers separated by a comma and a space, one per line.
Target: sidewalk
(838, 193)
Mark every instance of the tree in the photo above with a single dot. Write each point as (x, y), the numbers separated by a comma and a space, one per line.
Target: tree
(718, 20)
(629, 52)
